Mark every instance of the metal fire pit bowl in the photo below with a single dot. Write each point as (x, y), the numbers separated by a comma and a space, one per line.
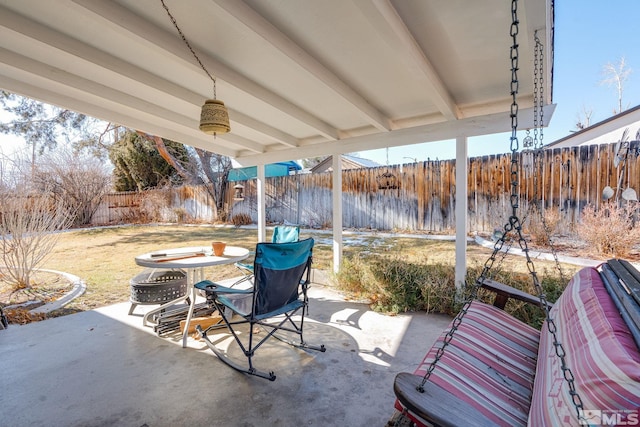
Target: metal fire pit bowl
(157, 286)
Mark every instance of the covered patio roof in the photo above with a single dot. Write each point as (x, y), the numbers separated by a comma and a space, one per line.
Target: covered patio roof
(300, 78)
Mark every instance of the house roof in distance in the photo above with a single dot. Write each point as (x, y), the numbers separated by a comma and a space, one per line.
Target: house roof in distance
(348, 162)
(604, 132)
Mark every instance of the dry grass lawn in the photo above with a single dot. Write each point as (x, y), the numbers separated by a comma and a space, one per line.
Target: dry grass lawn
(104, 257)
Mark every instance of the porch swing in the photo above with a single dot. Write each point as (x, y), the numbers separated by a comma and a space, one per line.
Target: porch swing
(489, 368)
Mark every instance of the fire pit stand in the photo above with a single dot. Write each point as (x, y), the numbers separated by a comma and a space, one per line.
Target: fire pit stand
(157, 286)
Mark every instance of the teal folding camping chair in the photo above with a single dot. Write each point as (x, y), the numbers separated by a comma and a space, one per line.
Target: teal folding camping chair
(281, 234)
(279, 292)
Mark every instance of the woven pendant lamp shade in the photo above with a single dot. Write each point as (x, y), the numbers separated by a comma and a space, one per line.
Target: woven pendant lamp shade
(214, 118)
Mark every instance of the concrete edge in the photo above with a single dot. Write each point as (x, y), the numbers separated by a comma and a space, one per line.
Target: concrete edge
(79, 287)
(541, 255)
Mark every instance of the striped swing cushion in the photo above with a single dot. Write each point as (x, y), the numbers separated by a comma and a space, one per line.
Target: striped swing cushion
(489, 364)
(600, 352)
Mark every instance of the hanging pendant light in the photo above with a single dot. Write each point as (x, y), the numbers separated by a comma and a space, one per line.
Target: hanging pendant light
(214, 117)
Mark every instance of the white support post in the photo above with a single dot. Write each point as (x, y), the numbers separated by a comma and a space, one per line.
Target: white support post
(337, 211)
(262, 203)
(462, 172)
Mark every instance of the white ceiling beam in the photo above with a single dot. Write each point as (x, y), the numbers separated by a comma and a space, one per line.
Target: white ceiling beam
(172, 44)
(253, 21)
(472, 126)
(45, 94)
(122, 100)
(81, 84)
(263, 128)
(388, 16)
(73, 47)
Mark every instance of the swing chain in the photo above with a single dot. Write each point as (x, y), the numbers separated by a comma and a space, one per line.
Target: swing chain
(538, 92)
(538, 136)
(514, 75)
(551, 325)
(515, 224)
(514, 56)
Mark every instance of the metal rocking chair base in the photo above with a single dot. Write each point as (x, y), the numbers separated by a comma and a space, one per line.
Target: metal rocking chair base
(247, 370)
(302, 345)
(251, 370)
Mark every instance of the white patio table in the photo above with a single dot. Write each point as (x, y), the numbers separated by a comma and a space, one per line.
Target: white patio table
(192, 259)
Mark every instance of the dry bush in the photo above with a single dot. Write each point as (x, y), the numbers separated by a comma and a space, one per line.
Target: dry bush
(223, 215)
(241, 219)
(542, 226)
(153, 205)
(28, 226)
(77, 181)
(610, 229)
(393, 285)
(181, 215)
(22, 316)
(130, 216)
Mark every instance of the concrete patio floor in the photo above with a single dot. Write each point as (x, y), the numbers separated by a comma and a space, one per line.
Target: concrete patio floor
(103, 368)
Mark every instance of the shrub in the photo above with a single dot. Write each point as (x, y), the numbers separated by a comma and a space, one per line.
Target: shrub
(399, 286)
(543, 226)
(393, 285)
(152, 205)
(223, 215)
(28, 226)
(181, 215)
(241, 219)
(610, 229)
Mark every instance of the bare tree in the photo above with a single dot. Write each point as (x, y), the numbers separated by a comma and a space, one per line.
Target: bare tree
(215, 169)
(42, 126)
(28, 223)
(583, 119)
(75, 181)
(616, 75)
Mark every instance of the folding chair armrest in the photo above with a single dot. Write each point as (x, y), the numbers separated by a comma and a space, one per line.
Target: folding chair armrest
(209, 286)
(246, 267)
(504, 292)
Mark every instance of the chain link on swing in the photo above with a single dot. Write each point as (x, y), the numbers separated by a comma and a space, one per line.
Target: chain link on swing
(538, 136)
(513, 224)
(538, 93)
(513, 220)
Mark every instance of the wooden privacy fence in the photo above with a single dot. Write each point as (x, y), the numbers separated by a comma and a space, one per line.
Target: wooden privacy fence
(176, 204)
(421, 196)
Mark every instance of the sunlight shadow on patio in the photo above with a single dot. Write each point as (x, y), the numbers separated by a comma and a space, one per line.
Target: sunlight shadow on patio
(103, 368)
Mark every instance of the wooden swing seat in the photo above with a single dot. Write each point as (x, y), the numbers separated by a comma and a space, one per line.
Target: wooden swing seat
(498, 370)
